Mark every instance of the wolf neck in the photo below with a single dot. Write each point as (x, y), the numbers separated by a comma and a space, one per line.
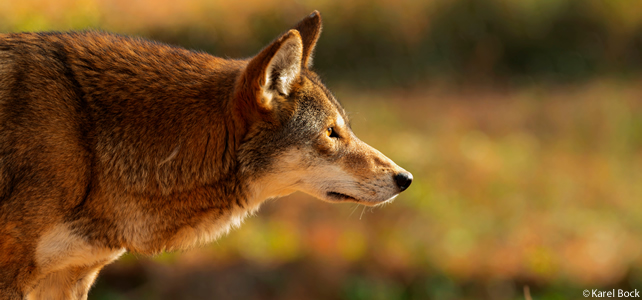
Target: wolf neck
(161, 122)
(163, 138)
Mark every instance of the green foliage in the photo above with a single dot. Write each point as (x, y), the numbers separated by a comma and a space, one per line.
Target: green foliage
(379, 42)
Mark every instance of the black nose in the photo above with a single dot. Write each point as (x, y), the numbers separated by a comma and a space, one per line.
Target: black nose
(403, 180)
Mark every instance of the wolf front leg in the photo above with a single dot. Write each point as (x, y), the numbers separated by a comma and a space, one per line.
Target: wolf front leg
(72, 283)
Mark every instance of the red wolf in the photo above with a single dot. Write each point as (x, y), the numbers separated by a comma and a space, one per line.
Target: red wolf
(111, 144)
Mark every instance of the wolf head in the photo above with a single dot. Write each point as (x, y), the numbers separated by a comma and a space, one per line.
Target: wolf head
(298, 135)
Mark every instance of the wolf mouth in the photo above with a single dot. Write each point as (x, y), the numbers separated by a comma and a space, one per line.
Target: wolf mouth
(339, 196)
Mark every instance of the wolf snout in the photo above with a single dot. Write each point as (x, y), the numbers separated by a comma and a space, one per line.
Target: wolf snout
(403, 180)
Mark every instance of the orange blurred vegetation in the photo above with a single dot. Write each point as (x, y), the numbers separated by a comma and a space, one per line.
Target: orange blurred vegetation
(534, 180)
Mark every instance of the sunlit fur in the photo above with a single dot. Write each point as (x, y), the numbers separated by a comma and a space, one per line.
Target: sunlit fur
(111, 144)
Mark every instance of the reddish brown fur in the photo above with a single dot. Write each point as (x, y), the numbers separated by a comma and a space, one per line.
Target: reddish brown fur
(95, 168)
(110, 143)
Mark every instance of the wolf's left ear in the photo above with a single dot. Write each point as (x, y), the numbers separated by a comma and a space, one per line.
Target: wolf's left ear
(310, 30)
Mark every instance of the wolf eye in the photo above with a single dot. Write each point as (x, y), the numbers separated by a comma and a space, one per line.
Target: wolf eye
(331, 133)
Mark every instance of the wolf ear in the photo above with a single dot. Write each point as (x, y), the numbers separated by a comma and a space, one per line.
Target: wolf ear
(273, 71)
(310, 30)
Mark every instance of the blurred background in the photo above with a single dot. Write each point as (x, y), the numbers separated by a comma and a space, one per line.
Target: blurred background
(521, 121)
